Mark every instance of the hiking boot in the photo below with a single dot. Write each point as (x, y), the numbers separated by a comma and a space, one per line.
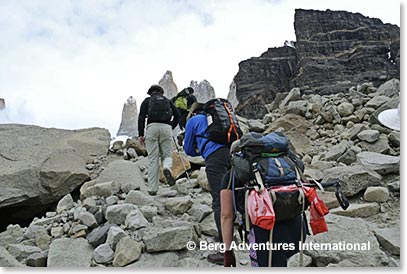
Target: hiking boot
(152, 193)
(216, 258)
(168, 176)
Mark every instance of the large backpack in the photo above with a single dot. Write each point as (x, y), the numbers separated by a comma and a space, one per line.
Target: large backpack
(159, 109)
(269, 159)
(223, 127)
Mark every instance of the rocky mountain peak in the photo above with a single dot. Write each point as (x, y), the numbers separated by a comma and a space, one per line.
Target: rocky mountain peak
(333, 51)
(129, 123)
(203, 91)
(168, 84)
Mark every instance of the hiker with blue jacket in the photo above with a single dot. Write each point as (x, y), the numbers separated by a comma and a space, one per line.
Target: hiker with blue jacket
(217, 162)
(162, 117)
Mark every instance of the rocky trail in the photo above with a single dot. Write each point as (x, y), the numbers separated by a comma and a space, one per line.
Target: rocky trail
(93, 209)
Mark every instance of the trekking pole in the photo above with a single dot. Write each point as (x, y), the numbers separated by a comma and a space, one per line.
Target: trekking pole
(182, 159)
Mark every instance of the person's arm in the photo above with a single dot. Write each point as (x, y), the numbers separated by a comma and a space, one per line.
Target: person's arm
(175, 114)
(226, 205)
(142, 118)
(190, 139)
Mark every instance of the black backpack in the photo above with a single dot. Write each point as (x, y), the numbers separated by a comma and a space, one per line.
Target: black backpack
(159, 109)
(223, 127)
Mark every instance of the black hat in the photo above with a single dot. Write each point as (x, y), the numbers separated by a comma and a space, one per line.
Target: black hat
(155, 88)
(191, 90)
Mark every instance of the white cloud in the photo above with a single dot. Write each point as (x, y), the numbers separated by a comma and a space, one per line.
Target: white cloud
(72, 64)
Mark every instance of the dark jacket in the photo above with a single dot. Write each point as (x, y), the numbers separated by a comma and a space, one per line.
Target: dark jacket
(144, 114)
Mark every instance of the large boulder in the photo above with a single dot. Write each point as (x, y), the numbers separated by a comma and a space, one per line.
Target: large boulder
(381, 163)
(40, 165)
(348, 239)
(70, 253)
(125, 173)
(174, 238)
(354, 178)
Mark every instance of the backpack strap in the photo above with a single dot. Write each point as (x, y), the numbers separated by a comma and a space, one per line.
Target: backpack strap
(260, 186)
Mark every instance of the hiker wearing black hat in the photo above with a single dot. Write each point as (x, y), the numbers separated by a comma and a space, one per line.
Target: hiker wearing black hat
(162, 117)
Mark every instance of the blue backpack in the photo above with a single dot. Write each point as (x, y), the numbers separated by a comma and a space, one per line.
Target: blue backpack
(270, 155)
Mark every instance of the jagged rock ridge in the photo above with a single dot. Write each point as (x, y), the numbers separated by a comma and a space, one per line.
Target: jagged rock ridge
(168, 84)
(203, 91)
(334, 51)
(128, 125)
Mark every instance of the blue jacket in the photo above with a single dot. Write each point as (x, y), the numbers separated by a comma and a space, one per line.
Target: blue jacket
(195, 128)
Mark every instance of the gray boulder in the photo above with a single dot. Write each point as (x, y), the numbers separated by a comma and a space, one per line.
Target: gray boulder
(364, 249)
(354, 178)
(140, 199)
(105, 189)
(103, 254)
(389, 239)
(358, 210)
(376, 194)
(377, 101)
(114, 235)
(65, 203)
(203, 180)
(154, 260)
(127, 251)
(135, 220)
(208, 226)
(390, 89)
(369, 135)
(98, 235)
(116, 214)
(8, 260)
(126, 173)
(56, 165)
(380, 146)
(199, 211)
(381, 163)
(21, 251)
(173, 238)
(293, 95)
(37, 259)
(70, 253)
(87, 219)
(178, 205)
(345, 109)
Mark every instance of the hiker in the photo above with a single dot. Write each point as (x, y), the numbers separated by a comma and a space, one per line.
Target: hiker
(162, 117)
(264, 186)
(288, 231)
(183, 102)
(217, 162)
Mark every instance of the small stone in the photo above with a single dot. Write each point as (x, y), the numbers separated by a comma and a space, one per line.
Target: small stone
(65, 203)
(90, 166)
(57, 232)
(103, 254)
(111, 200)
(376, 194)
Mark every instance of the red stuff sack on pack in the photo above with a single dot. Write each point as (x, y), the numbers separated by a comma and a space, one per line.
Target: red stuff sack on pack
(260, 209)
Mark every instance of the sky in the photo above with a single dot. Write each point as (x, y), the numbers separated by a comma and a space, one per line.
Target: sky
(73, 63)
